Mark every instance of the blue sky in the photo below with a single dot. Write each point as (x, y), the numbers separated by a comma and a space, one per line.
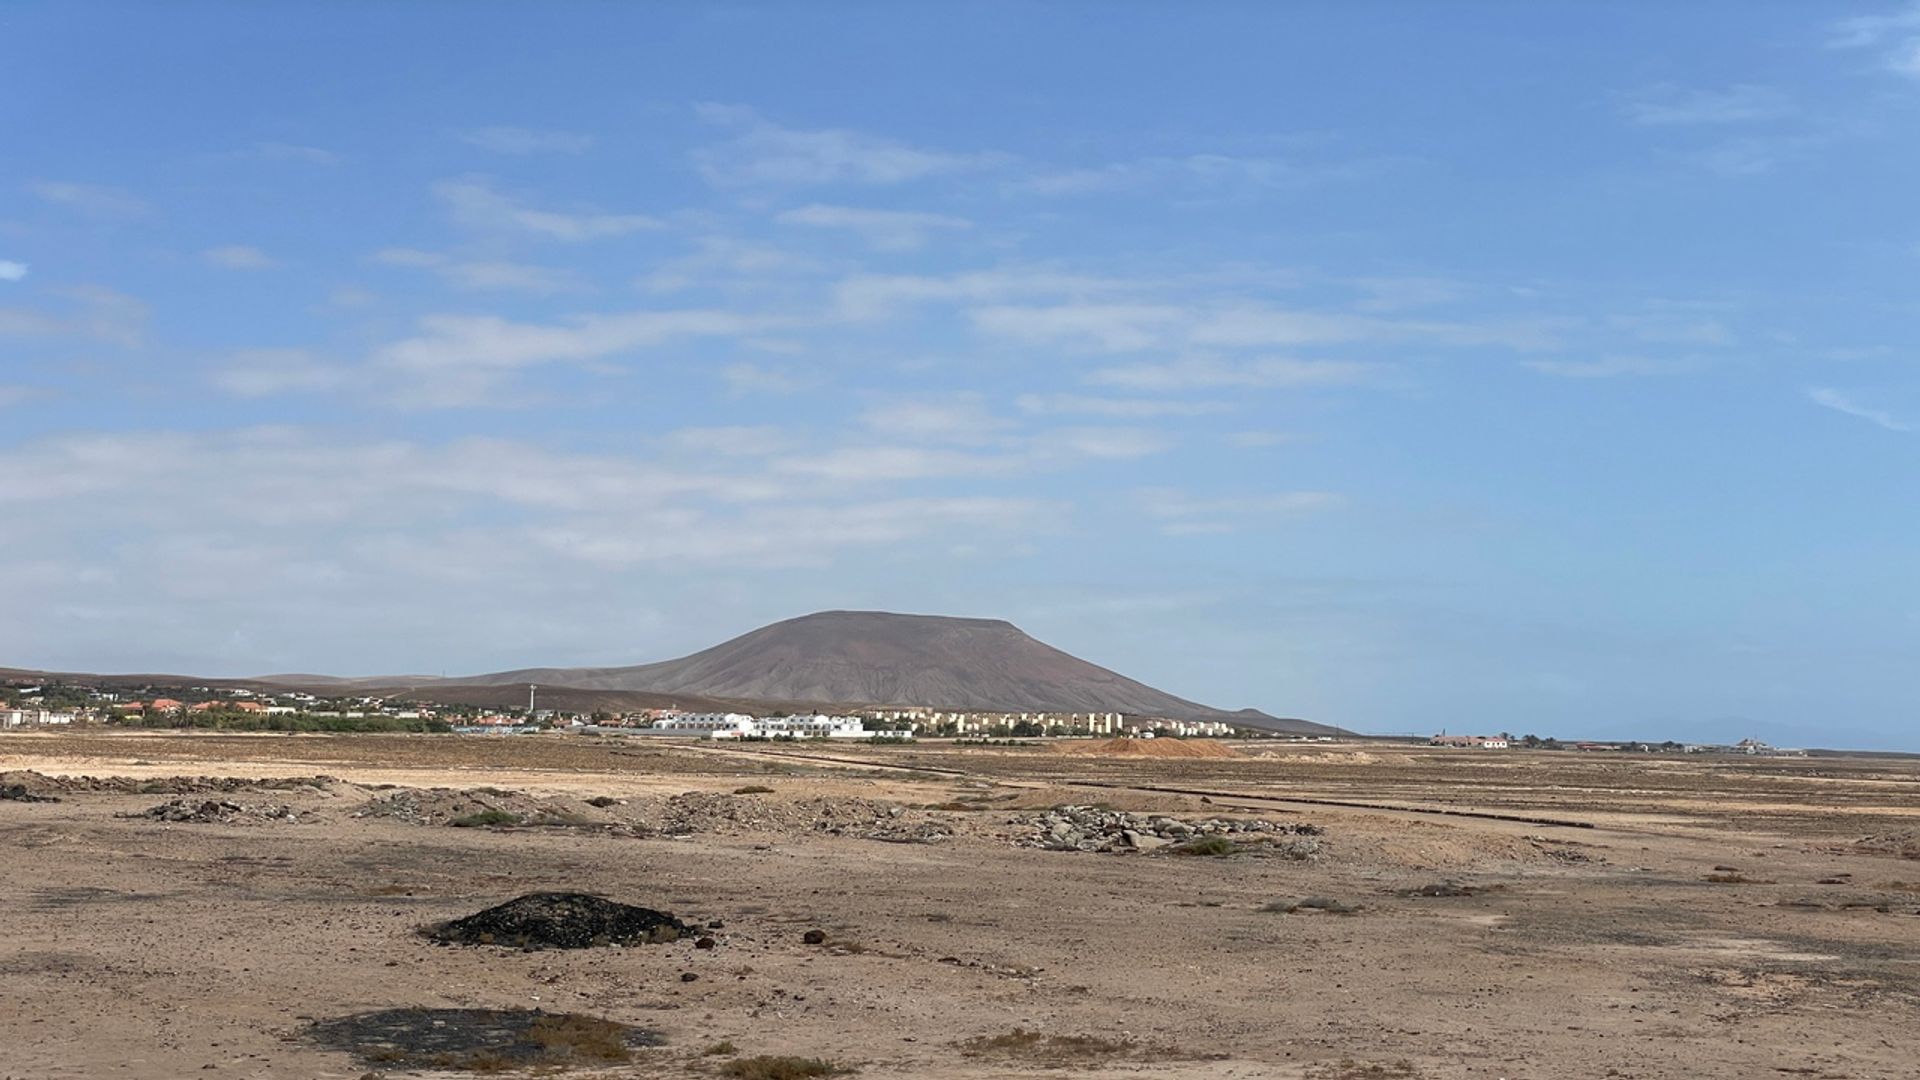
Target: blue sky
(1403, 366)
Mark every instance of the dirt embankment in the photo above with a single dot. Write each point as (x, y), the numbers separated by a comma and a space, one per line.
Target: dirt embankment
(1145, 748)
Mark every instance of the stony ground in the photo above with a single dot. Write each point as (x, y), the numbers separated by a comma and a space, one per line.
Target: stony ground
(1723, 918)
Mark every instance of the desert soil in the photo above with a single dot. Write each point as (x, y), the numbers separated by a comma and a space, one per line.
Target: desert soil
(1719, 917)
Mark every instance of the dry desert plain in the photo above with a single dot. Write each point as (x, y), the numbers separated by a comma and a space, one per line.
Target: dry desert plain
(1714, 917)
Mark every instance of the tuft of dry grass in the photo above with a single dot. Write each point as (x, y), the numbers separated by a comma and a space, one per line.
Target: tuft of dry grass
(1045, 1049)
(572, 1037)
(770, 1067)
(1214, 847)
(753, 789)
(1349, 1069)
(720, 1049)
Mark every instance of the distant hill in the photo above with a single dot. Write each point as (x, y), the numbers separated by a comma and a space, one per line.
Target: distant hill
(828, 659)
(880, 658)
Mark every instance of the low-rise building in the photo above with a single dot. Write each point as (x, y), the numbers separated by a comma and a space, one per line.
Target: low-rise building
(742, 726)
(33, 717)
(1469, 742)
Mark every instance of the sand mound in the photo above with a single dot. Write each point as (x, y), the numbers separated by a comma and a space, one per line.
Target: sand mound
(1145, 748)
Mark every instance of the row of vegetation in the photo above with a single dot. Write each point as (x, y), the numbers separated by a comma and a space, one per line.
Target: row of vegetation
(234, 720)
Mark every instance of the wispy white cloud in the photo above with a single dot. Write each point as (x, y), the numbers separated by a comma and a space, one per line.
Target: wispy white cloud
(92, 200)
(886, 230)
(758, 379)
(91, 312)
(1400, 293)
(238, 257)
(475, 204)
(729, 262)
(519, 140)
(1131, 327)
(950, 418)
(868, 462)
(1859, 31)
(1674, 326)
(1259, 440)
(468, 360)
(1133, 408)
(463, 361)
(1755, 155)
(254, 373)
(12, 271)
(281, 151)
(11, 394)
(1670, 105)
(448, 342)
(1102, 327)
(877, 296)
(224, 494)
(1182, 513)
(1215, 173)
(1894, 36)
(1830, 398)
(1609, 367)
(481, 274)
(760, 152)
(1205, 373)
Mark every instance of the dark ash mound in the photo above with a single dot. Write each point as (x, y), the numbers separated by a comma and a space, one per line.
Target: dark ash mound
(480, 1040)
(561, 920)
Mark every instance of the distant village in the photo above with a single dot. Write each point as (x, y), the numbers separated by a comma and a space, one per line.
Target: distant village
(31, 705)
(243, 709)
(1750, 747)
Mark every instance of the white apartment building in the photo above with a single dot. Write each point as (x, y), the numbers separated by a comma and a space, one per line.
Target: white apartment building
(742, 726)
(30, 717)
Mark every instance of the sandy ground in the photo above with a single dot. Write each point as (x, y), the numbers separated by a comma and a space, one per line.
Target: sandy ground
(141, 948)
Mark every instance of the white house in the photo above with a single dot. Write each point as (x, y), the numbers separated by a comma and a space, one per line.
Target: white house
(25, 717)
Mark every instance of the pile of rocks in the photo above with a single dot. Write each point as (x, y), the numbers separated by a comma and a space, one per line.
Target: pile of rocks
(561, 920)
(215, 812)
(1899, 845)
(447, 806)
(20, 793)
(1089, 828)
(870, 819)
(34, 783)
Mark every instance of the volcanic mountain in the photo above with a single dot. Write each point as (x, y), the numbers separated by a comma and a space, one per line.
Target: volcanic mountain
(880, 658)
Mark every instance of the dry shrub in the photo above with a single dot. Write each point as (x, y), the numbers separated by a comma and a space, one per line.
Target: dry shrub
(1213, 847)
(769, 1067)
(1349, 1069)
(1045, 1049)
(571, 1037)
